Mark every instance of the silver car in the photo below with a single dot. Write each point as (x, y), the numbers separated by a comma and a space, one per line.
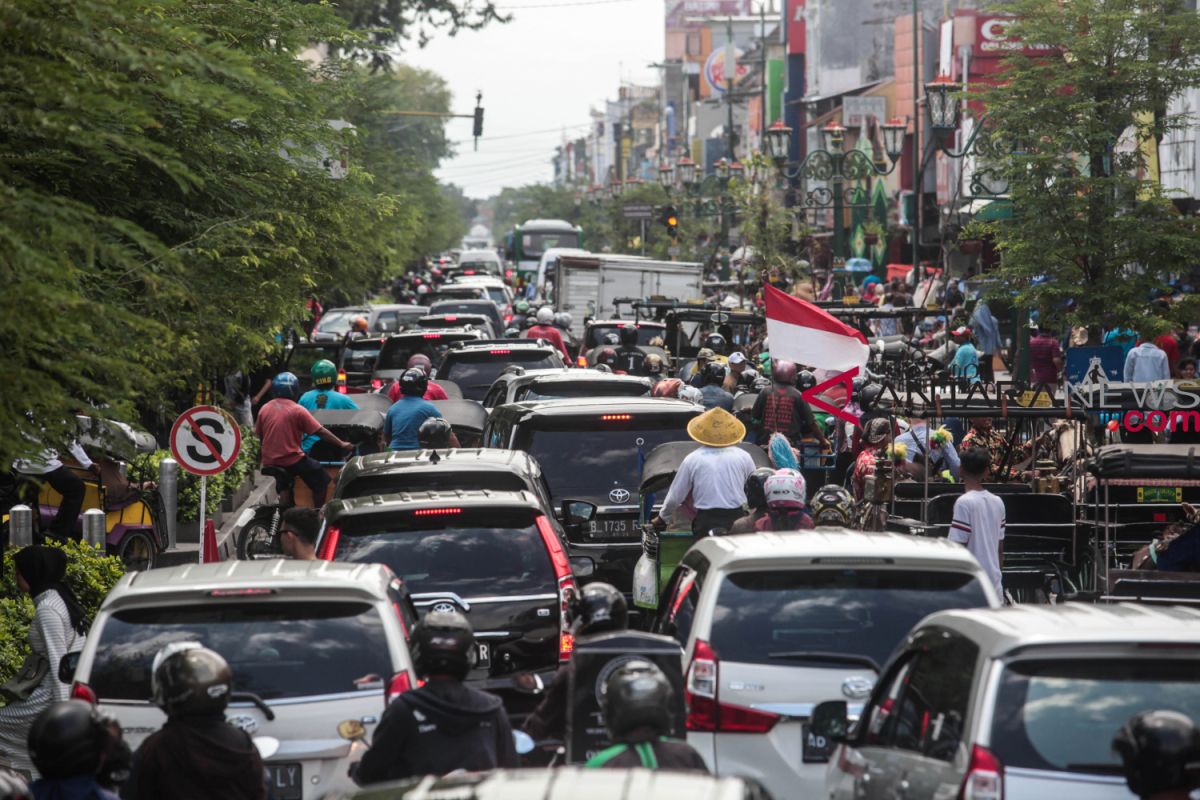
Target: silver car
(773, 623)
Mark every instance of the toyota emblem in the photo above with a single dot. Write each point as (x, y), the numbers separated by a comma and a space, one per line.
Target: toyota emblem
(857, 687)
(619, 496)
(444, 607)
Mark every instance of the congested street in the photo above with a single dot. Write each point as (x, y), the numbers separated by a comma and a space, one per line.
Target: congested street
(818, 420)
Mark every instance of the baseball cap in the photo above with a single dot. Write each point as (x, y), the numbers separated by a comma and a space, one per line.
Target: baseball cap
(706, 352)
(737, 358)
(961, 330)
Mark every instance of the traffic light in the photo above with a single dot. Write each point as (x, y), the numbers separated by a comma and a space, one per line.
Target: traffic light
(478, 131)
(670, 218)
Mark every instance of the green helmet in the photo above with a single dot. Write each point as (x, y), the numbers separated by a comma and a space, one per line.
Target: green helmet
(324, 373)
(522, 307)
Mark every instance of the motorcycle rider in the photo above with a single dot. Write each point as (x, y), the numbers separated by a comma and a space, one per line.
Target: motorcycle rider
(741, 375)
(637, 712)
(1160, 751)
(655, 370)
(756, 499)
(786, 494)
(631, 359)
(408, 413)
(784, 410)
(196, 754)
(520, 312)
(833, 506)
(358, 329)
(432, 390)
(322, 396)
(713, 395)
(442, 725)
(544, 329)
(299, 529)
(282, 423)
(78, 752)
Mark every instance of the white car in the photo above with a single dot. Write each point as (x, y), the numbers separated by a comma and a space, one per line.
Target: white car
(310, 643)
(1019, 702)
(773, 623)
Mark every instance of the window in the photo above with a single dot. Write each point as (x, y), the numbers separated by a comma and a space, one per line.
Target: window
(475, 372)
(596, 334)
(590, 461)
(434, 481)
(556, 390)
(932, 710)
(683, 595)
(878, 716)
(396, 352)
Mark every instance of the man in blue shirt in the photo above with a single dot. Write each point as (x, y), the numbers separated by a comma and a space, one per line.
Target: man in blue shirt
(407, 414)
(1123, 338)
(323, 397)
(966, 357)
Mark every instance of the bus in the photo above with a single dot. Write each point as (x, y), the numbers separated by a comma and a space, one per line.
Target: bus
(525, 244)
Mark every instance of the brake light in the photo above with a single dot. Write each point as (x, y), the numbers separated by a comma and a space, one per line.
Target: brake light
(240, 592)
(468, 272)
(500, 352)
(985, 777)
(508, 273)
(401, 682)
(705, 712)
(81, 691)
(433, 336)
(450, 317)
(507, 318)
(436, 512)
(615, 417)
(329, 544)
(566, 586)
(376, 384)
(566, 646)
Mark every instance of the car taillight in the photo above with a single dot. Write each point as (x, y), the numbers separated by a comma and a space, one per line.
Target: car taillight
(508, 273)
(330, 543)
(81, 691)
(500, 352)
(450, 318)
(705, 712)
(566, 646)
(581, 361)
(433, 336)
(566, 586)
(985, 777)
(401, 682)
(507, 318)
(615, 417)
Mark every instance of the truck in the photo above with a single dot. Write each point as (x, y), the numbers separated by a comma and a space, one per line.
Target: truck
(587, 285)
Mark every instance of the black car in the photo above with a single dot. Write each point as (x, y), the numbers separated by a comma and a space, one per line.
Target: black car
(358, 361)
(494, 555)
(399, 348)
(522, 385)
(468, 305)
(474, 366)
(592, 451)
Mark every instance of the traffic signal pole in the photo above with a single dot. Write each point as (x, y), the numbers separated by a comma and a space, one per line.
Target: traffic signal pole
(476, 115)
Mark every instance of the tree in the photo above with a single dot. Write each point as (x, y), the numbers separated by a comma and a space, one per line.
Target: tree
(1093, 234)
(391, 22)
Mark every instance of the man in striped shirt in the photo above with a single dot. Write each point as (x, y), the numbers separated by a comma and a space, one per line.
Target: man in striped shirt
(978, 520)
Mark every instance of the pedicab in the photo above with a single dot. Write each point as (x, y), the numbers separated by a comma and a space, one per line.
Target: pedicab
(662, 550)
(466, 417)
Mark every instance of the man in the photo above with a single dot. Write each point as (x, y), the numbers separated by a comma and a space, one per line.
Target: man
(713, 396)
(1123, 338)
(421, 362)
(407, 414)
(1146, 362)
(1160, 752)
(978, 519)
(987, 331)
(544, 329)
(442, 725)
(322, 396)
(983, 435)
(631, 359)
(713, 476)
(1045, 356)
(655, 370)
(1169, 344)
(965, 365)
(875, 436)
(47, 466)
(784, 410)
(281, 426)
(703, 357)
(77, 751)
(298, 532)
(358, 330)
(939, 455)
(741, 375)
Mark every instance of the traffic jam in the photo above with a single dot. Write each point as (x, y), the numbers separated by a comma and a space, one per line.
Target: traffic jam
(603, 528)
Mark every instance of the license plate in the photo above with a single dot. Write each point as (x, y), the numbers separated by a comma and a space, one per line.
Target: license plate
(485, 654)
(814, 749)
(613, 526)
(286, 781)
(1160, 494)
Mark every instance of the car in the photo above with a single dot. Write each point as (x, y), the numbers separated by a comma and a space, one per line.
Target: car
(399, 348)
(1015, 702)
(519, 385)
(393, 317)
(494, 555)
(497, 290)
(595, 331)
(435, 321)
(456, 291)
(479, 262)
(358, 358)
(309, 643)
(300, 357)
(469, 305)
(381, 318)
(474, 366)
(773, 623)
(335, 323)
(591, 452)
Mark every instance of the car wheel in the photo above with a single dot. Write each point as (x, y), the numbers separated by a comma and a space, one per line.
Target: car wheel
(257, 540)
(137, 551)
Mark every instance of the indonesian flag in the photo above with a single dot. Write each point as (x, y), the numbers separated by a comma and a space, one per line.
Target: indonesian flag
(800, 331)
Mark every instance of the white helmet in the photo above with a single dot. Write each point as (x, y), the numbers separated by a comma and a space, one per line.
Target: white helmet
(545, 315)
(691, 394)
(786, 490)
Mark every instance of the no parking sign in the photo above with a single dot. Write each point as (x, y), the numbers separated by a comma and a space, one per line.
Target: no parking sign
(205, 440)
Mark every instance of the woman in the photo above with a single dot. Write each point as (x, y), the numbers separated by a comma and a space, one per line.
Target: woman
(59, 626)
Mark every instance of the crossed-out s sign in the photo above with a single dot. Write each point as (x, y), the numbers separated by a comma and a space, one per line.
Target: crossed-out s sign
(205, 440)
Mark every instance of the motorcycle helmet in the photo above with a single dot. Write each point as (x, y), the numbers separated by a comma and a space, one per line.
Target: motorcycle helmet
(612, 338)
(285, 385)
(70, 739)
(668, 387)
(832, 505)
(605, 368)
(413, 383)
(443, 644)
(653, 364)
(785, 489)
(562, 320)
(324, 373)
(715, 342)
(1156, 748)
(522, 307)
(629, 335)
(784, 372)
(877, 431)
(691, 394)
(714, 372)
(434, 434)
(188, 679)
(869, 396)
(805, 380)
(601, 607)
(545, 316)
(761, 384)
(755, 495)
(606, 357)
(359, 324)
(512, 333)
(637, 695)
(420, 361)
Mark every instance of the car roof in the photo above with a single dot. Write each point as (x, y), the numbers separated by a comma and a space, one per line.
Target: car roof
(397, 307)
(1002, 631)
(277, 574)
(479, 459)
(402, 501)
(548, 224)
(476, 280)
(836, 544)
(576, 407)
(419, 333)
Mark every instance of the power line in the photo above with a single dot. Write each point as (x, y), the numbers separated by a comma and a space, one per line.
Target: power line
(558, 129)
(492, 165)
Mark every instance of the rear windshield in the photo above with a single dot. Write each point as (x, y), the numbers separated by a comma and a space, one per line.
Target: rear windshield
(339, 321)
(596, 333)
(484, 308)
(1062, 714)
(592, 461)
(275, 649)
(472, 553)
(360, 355)
(556, 390)
(476, 372)
(396, 352)
(786, 617)
(302, 358)
(425, 481)
(447, 295)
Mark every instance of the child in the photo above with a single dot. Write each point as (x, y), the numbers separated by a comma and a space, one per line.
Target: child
(979, 516)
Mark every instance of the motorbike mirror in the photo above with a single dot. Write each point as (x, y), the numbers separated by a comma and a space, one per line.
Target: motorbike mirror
(577, 512)
(583, 567)
(267, 746)
(523, 742)
(66, 667)
(351, 730)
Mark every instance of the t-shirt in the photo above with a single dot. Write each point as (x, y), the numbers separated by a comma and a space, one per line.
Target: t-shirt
(1042, 352)
(716, 397)
(404, 419)
(432, 392)
(281, 426)
(979, 524)
(312, 400)
(966, 362)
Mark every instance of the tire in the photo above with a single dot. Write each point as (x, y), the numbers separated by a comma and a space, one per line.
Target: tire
(137, 551)
(256, 539)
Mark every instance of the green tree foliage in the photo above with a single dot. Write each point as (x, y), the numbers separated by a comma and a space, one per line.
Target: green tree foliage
(1078, 122)
(392, 22)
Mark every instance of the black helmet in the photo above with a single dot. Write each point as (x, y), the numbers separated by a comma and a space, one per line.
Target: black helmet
(190, 680)
(413, 383)
(716, 343)
(70, 740)
(434, 433)
(601, 607)
(629, 335)
(714, 372)
(443, 644)
(1156, 748)
(870, 396)
(805, 380)
(637, 695)
(612, 338)
(857, 385)
(756, 497)
(832, 505)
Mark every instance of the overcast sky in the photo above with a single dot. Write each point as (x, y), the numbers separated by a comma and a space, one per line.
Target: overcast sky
(539, 74)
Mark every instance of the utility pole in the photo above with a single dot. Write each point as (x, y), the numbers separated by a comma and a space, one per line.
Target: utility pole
(918, 151)
(730, 68)
(762, 43)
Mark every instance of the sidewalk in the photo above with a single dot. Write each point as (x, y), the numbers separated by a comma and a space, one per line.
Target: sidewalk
(188, 552)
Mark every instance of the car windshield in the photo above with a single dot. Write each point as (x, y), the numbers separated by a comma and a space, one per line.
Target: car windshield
(555, 390)
(1062, 714)
(491, 267)
(476, 372)
(275, 649)
(396, 352)
(419, 480)
(338, 321)
(596, 334)
(778, 616)
(448, 294)
(591, 461)
(533, 244)
(301, 359)
(471, 552)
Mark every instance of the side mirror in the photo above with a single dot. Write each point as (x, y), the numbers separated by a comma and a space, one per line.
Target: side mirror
(352, 730)
(522, 742)
(583, 566)
(67, 666)
(577, 512)
(829, 720)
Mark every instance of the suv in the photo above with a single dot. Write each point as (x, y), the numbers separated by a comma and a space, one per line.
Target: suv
(1018, 702)
(310, 643)
(440, 321)
(300, 357)
(497, 291)
(468, 305)
(772, 623)
(398, 349)
(474, 366)
(591, 452)
(520, 385)
(494, 555)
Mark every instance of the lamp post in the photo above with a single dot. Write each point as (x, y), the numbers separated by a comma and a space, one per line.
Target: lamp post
(710, 194)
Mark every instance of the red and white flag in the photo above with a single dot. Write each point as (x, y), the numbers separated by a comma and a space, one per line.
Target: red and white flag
(800, 331)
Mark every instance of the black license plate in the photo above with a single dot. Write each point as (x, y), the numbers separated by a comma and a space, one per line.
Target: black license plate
(485, 654)
(286, 781)
(814, 749)
(614, 528)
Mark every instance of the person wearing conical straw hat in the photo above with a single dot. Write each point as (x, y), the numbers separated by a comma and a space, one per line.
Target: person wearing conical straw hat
(712, 477)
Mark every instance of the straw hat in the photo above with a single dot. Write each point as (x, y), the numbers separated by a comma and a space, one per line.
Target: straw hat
(716, 428)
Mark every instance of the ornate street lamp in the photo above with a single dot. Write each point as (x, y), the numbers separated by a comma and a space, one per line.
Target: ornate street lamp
(722, 168)
(893, 137)
(666, 175)
(779, 139)
(943, 107)
(687, 171)
(834, 136)
(736, 170)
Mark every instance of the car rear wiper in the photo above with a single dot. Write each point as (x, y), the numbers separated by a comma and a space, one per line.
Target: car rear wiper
(258, 702)
(834, 658)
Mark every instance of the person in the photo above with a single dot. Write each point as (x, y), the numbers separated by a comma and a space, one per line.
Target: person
(655, 369)
(756, 499)
(703, 357)
(1186, 369)
(1123, 338)
(59, 627)
(667, 387)
(322, 396)
(237, 398)
(784, 410)
(965, 365)
(298, 531)
(408, 413)
(717, 343)
(520, 312)
(832, 506)
(1169, 343)
(436, 433)
(47, 466)
(544, 329)
(631, 359)
(691, 394)
(875, 436)
(196, 754)
(787, 494)
(637, 703)
(984, 434)
(281, 427)
(741, 376)
(79, 753)
(1045, 356)
(432, 390)
(940, 454)
(442, 725)
(713, 395)
(713, 476)
(978, 517)
(987, 332)
(1146, 362)
(1160, 754)
(358, 329)
(601, 608)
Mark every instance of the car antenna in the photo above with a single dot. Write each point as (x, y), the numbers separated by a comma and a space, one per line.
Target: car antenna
(434, 458)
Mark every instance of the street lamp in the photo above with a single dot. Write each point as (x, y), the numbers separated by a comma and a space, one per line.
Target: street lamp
(666, 175)
(943, 107)
(834, 136)
(687, 171)
(779, 138)
(893, 137)
(722, 168)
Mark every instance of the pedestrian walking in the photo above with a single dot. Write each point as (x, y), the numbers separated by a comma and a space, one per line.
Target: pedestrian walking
(1045, 356)
(978, 520)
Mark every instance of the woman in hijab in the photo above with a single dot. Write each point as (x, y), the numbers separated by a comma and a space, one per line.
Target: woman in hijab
(59, 626)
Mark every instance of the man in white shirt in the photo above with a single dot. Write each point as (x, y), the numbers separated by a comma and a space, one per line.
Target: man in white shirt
(1147, 362)
(711, 477)
(47, 466)
(979, 518)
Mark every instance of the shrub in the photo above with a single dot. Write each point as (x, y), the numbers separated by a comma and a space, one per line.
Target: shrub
(219, 486)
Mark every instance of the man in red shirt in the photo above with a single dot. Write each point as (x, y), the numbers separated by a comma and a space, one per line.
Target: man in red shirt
(1045, 357)
(545, 330)
(282, 424)
(432, 391)
(1170, 345)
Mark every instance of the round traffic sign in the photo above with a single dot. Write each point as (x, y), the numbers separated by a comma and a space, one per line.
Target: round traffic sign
(205, 440)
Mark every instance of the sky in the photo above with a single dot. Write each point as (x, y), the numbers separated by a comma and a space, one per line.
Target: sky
(539, 75)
